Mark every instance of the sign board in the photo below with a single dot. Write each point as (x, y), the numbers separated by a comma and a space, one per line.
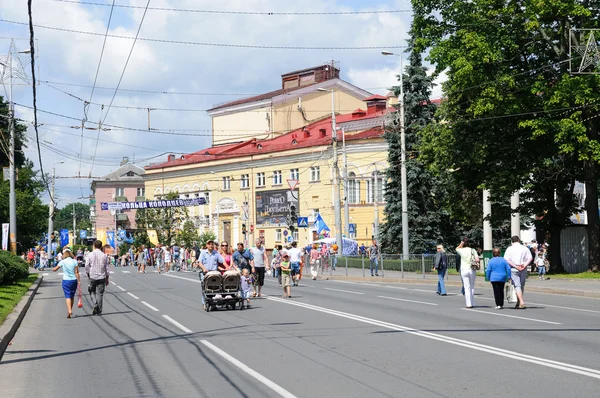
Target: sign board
(5, 236)
(83, 234)
(290, 239)
(285, 232)
(245, 212)
(293, 184)
(6, 173)
(273, 207)
(152, 204)
(352, 228)
(302, 222)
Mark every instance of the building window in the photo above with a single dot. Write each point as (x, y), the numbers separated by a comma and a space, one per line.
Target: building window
(207, 221)
(226, 183)
(353, 235)
(120, 192)
(278, 235)
(353, 194)
(277, 178)
(207, 197)
(294, 174)
(296, 236)
(375, 189)
(370, 191)
(141, 192)
(315, 173)
(245, 181)
(260, 179)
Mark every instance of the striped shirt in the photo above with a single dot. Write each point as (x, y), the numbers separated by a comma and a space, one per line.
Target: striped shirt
(96, 265)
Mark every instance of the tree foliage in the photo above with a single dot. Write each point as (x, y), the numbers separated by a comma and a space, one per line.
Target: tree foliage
(514, 118)
(166, 221)
(188, 236)
(64, 217)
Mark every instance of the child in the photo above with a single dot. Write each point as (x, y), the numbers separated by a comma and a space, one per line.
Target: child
(286, 269)
(247, 281)
(540, 262)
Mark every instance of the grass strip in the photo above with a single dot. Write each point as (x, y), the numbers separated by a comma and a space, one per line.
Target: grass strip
(11, 294)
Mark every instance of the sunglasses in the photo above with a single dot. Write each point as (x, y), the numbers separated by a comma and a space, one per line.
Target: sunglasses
(224, 245)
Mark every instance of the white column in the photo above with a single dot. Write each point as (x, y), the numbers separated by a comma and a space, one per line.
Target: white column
(235, 238)
(487, 226)
(515, 220)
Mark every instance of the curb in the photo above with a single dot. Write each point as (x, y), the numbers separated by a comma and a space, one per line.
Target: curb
(406, 281)
(14, 319)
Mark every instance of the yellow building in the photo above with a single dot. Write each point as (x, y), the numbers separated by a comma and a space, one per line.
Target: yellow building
(245, 181)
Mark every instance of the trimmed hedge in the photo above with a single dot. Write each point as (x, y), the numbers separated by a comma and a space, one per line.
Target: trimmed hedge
(394, 263)
(12, 268)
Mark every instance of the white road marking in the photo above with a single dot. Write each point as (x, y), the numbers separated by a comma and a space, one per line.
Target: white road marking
(409, 301)
(149, 306)
(349, 282)
(396, 287)
(511, 355)
(184, 278)
(133, 295)
(343, 291)
(121, 288)
(370, 284)
(421, 290)
(111, 272)
(179, 325)
(113, 283)
(60, 273)
(45, 274)
(127, 272)
(549, 305)
(249, 371)
(510, 316)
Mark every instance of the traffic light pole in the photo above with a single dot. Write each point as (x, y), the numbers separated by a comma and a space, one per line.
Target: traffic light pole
(51, 216)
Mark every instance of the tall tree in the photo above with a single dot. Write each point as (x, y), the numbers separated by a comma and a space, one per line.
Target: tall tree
(426, 218)
(514, 117)
(166, 221)
(64, 217)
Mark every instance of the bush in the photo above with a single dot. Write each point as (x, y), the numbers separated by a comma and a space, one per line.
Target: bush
(12, 268)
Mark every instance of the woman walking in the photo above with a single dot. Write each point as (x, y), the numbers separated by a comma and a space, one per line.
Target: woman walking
(469, 264)
(315, 262)
(498, 272)
(226, 253)
(70, 280)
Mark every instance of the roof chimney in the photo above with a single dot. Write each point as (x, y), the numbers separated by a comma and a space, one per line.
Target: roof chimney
(375, 103)
(170, 158)
(125, 160)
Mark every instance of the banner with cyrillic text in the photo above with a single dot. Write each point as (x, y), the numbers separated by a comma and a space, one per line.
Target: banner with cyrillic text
(152, 204)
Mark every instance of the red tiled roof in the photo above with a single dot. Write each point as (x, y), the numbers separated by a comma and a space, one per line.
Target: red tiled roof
(375, 97)
(260, 97)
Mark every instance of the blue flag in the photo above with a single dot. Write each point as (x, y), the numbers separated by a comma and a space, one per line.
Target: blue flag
(320, 225)
(110, 238)
(64, 237)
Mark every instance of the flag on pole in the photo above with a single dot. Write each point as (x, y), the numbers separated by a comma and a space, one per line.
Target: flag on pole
(320, 225)
(152, 236)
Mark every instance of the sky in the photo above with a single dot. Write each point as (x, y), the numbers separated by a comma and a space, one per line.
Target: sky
(194, 77)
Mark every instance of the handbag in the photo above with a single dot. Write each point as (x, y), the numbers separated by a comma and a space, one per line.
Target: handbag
(474, 261)
(509, 292)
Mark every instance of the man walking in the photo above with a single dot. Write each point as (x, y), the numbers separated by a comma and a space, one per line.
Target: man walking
(209, 261)
(259, 262)
(518, 257)
(295, 255)
(374, 257)
(96, 268)
(241, 258)
(440, 263)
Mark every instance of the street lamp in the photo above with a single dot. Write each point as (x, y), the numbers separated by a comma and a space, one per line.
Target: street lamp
(402, 159)
(12, 197)
(51, 210)
(336, 171)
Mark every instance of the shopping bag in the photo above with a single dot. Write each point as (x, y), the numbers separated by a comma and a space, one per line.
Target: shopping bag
(79, 301)
(511, 295)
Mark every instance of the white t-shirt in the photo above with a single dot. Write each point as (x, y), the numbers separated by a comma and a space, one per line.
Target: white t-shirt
(295, 254)
(518, 254)
(258, 255)
(539, 261)
(167, 256)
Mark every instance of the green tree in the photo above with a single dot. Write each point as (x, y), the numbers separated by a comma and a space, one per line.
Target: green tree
(205, 237)
(166, 221)
(514, 118)
(188, 236)
(64, 217)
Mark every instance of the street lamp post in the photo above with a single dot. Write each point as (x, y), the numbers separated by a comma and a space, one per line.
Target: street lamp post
(12, 197)
(345, 178)
(51, 211)
(402, 160)
(336, 172)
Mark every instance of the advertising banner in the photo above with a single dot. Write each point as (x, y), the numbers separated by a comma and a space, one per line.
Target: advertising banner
(273, 207)
(64, 237)
(152, 236)
(83, 234)
(101, 235)
(110, 239)
(5, 236)
(152, 204)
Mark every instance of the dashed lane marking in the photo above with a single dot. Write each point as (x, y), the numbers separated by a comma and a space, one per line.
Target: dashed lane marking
(179, 325)
(133, 295)
(149, 306)
(408, 301)
(343, 291)
(511, 316)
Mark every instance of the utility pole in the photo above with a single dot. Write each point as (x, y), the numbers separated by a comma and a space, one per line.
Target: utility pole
(51, 213)
(375, 206)
(346, 207)
(74, 220)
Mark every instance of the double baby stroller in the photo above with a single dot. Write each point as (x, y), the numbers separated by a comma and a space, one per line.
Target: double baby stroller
(222, 290)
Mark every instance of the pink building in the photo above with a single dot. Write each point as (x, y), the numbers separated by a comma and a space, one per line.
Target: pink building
(125, 184)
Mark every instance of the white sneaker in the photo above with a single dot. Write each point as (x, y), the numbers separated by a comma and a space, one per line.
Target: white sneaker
(218, 297)
(498, 307)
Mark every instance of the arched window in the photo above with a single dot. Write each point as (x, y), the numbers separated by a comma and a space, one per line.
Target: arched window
(376, 187)
(353, 189)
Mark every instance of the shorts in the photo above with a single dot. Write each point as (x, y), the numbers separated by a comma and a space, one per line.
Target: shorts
(286, 280)
(260, 276)
(295, 267)
(245, 294)
(69, 288)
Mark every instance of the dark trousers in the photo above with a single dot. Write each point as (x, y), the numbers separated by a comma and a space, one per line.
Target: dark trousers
(97, 287)
(498, 293)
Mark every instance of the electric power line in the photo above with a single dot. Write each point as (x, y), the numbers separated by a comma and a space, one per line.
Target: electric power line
(206, 44)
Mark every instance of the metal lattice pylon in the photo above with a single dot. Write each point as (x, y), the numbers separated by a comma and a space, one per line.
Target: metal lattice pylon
(584, 52)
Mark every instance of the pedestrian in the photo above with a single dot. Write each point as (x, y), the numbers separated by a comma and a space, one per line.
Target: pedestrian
(540, 262)
(43, 259)
(209, 261)
(259, 262)
(362, 250)
(468, 269)
(440, 263)
(518, 257)
(71, 280)
(334, 252)
(315, 262)
(295, 257)
(96, 268)
(167, 258)
(276, 263)
(141, 260)
(286, 271)
(30, 258)
(241, 258)
(226, 253)
(373, 252)
(498, 272)
(245, 283)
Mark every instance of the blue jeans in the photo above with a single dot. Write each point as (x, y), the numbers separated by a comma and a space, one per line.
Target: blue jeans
(374, 261)
(333, 262)
(542, 270)
(201, 276)
(441, 287)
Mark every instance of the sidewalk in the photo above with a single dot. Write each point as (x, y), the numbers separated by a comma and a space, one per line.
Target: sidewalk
(571, 287)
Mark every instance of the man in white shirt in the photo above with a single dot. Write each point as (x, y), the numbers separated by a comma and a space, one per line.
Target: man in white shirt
(295, 260)
(518, 257)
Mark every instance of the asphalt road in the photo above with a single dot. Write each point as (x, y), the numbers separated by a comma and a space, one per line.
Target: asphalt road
(332, 339)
